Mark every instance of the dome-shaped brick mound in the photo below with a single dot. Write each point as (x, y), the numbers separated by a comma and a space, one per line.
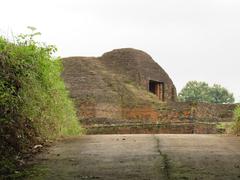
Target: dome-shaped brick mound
(139, 67)
(126, 91)
(109, 86)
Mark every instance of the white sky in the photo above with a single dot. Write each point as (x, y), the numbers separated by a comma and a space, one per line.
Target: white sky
(190, 39)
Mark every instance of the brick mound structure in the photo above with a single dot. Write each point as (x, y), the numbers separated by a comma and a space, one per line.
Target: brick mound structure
(126, 91)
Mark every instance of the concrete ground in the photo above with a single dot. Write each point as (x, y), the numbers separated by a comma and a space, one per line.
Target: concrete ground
(142, 157)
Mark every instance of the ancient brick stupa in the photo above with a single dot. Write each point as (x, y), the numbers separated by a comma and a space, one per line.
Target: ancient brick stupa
(120, 85)
(140, 68)
(127, 87)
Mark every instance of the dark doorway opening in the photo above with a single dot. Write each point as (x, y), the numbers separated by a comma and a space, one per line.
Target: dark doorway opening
(157, 88)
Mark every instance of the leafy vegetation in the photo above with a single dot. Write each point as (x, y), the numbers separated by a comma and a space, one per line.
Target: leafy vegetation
(201, 92)
(34, 104)
(236, 125)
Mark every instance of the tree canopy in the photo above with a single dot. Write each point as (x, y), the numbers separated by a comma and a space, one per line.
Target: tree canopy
(196, 91)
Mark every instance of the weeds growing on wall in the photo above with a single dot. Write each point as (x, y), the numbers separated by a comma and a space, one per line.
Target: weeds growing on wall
(34, 104)
(236, 125)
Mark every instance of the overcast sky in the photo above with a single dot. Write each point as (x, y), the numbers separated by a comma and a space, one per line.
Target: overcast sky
(190, 39)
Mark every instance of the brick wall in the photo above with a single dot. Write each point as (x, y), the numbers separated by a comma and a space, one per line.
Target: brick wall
(170, 112)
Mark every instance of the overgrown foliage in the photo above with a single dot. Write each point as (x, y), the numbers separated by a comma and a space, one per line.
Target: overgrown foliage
(201, 92)
(34, 104)
(236, 125)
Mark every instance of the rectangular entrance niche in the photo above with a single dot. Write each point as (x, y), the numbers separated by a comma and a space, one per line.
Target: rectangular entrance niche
(157, 88)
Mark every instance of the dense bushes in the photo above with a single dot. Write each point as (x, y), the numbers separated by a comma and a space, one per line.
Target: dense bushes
(34, 105)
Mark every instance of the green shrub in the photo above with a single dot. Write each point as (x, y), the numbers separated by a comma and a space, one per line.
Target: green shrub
(34, 103)
(236, 125)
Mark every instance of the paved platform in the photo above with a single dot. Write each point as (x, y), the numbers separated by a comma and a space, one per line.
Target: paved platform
(142, 157)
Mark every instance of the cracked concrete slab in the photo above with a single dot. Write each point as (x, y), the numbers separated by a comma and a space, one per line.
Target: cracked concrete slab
(142, 157)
